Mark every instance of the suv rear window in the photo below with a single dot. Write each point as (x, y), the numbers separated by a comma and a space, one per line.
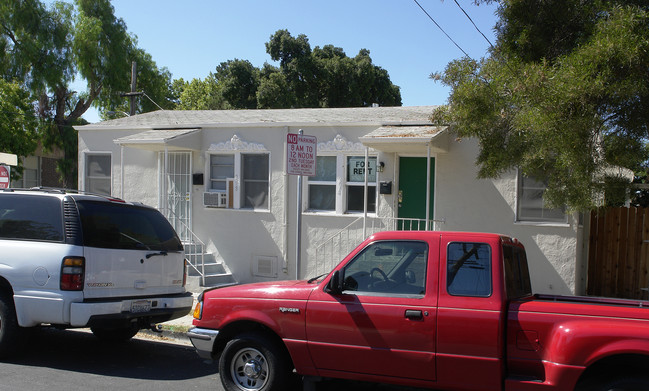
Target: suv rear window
(126, 227)
(31, 218)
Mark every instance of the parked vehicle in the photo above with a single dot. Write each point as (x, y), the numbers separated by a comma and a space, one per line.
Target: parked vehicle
(444, 310)
(77, 260)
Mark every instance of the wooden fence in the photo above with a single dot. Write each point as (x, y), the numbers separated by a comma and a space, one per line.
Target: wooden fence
(618, 253)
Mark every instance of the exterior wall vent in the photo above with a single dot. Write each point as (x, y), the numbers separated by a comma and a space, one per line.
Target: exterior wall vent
(264, 266)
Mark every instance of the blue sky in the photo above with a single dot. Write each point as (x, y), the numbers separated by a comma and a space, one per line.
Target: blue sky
(191, 37)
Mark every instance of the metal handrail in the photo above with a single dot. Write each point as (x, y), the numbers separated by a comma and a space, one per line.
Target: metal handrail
(193, 258)
(337, 246)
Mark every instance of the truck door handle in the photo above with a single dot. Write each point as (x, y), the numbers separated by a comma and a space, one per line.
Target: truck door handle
(414, 315)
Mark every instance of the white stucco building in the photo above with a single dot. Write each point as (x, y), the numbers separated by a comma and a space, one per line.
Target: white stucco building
(220, 177)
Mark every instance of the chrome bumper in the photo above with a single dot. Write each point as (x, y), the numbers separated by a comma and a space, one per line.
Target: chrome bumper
(203, 341)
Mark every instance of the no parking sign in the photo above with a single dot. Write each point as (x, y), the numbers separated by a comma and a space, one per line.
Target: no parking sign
(4, 177)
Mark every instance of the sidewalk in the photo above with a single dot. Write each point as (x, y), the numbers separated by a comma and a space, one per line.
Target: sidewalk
(175, 329)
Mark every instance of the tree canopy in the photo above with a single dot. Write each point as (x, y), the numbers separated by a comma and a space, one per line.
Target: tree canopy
(563, 96)
(320, 77)
(45, 48)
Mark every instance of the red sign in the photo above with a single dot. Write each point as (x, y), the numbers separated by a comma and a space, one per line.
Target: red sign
(302, 151)
(4, 177)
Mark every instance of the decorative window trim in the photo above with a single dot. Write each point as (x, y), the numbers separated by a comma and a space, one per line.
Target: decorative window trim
(237, 147)
(340, 144)
(341, 148)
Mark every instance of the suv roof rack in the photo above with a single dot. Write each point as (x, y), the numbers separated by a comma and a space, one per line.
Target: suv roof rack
(62, 190)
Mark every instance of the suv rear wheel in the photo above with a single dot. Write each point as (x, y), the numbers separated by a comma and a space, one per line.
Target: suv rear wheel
(10, 332)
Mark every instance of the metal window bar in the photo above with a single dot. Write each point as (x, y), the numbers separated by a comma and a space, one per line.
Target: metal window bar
(332, 250)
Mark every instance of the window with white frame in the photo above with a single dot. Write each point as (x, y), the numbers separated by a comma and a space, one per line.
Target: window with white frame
(322, 186)
(530, 203)
(339, 183)
(31, 173)
(221, 168)
(97, 177)
(240, 170)
(355, 184)
(255, 180)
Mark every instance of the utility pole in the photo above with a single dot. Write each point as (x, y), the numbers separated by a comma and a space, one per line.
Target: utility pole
(133, 94)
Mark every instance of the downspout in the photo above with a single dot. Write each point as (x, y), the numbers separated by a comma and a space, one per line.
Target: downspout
(121, 169)
(365, 191)
(164, 192)
(428, 187)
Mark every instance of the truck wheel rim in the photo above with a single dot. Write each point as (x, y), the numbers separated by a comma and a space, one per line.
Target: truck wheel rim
(249, 369)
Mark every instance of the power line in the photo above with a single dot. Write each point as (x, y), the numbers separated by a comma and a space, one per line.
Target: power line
(474, 25)
(440, 27)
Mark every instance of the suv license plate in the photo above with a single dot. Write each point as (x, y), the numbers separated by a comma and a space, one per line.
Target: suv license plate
(141, 306)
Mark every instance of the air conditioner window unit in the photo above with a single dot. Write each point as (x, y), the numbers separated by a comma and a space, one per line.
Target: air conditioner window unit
(215, 199)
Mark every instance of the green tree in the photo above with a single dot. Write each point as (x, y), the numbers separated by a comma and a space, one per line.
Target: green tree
(201, 95)
(322, 77)
(239, 81)
(563, 96)
(44, 49)
(18, 123)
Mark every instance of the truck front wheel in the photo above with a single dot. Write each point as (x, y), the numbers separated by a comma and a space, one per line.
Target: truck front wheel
(253, 362)
(619, 383)
(630, 383)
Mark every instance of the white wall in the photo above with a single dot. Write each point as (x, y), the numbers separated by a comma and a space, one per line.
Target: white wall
(485, 205)
(238, 236)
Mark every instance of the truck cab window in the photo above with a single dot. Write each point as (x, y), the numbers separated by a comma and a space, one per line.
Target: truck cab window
(468, 269)
(390, 267)
(517, 274)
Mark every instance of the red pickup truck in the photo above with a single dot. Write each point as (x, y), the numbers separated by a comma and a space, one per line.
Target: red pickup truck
(443, 310)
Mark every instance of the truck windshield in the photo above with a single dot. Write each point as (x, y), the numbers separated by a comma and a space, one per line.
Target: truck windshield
(127, 227)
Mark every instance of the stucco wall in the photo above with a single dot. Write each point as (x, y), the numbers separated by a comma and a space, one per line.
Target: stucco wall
(488, 205)
(237, 237)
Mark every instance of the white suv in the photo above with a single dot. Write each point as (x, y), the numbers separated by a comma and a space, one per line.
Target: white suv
(77, 260)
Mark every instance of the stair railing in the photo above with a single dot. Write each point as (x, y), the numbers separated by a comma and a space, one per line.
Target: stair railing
(195, 259)
(332, 250)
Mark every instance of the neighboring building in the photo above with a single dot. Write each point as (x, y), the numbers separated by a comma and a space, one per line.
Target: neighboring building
(39, 169)
(220, 177)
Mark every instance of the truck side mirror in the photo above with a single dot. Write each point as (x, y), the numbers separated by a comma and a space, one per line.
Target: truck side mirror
(334, 286)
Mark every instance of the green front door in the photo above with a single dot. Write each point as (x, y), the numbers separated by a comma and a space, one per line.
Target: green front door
(412, 192)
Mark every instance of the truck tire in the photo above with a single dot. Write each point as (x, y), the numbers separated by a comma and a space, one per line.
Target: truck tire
(10, 332)
(617, 383)
(627, 383)
(121, 334)
(252, 361)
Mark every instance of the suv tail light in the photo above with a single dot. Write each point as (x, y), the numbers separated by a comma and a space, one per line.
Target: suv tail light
(72, 272)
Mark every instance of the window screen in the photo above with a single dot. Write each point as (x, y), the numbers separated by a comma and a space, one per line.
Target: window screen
(531, 205)
(255, 181)
(98, 172)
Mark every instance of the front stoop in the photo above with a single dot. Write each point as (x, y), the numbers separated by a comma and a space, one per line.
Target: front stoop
(216, 272)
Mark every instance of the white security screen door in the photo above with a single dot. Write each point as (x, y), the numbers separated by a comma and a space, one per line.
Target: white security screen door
(175, 190)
